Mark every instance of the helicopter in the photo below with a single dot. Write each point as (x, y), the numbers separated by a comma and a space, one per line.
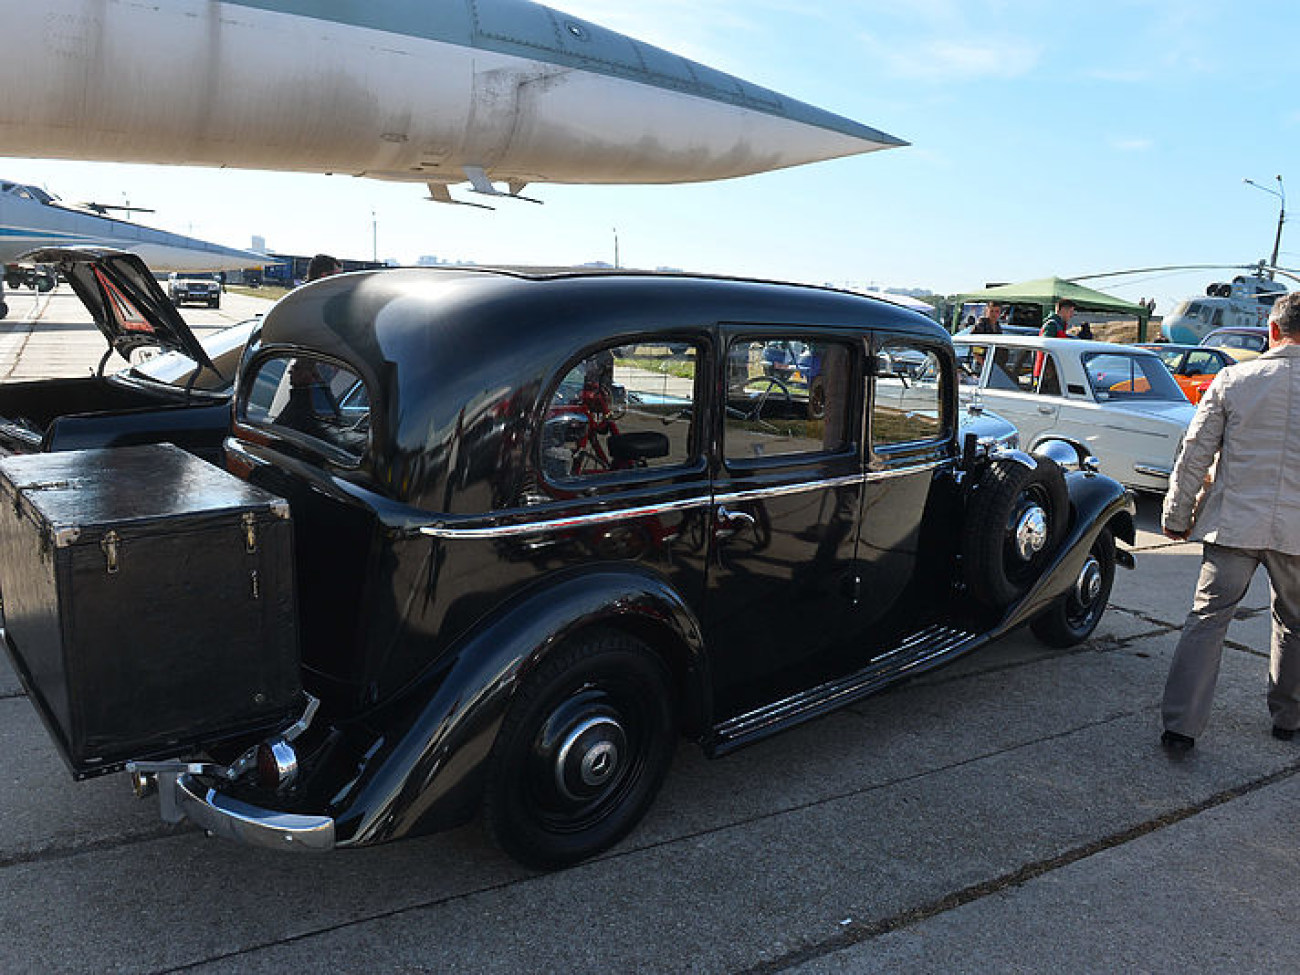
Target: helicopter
(1245, 300)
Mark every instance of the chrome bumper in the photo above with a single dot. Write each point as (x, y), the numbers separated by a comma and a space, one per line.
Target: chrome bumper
(182, 796)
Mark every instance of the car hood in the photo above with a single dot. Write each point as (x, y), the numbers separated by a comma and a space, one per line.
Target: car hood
(123, 298)
(984, 423)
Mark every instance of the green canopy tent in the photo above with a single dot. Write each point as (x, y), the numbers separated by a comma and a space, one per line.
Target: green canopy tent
(1045, 293)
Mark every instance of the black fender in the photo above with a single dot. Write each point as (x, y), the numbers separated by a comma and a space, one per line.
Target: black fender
(1096, 502)
(427, 770)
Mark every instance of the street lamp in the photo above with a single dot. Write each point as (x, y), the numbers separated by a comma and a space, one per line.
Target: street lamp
(615, 248)
(1280, 193)
(374, 238)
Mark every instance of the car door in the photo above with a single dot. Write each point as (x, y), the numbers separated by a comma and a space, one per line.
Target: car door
(909, 438)
(787, 486)
(1023, 384)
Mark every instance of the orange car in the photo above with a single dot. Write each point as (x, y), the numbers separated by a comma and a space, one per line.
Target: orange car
(1194, 366)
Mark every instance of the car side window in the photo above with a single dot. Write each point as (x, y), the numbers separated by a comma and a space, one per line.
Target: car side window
(787, 396)
(1201, 364)
(622, 408)
(970, 363)
(1025, 370)
(313, 398)
(908, 402)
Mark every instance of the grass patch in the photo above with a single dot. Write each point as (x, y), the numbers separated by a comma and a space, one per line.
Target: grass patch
(271, 292)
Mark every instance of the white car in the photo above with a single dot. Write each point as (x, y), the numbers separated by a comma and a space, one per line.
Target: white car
(1117, 402)
(197, 286)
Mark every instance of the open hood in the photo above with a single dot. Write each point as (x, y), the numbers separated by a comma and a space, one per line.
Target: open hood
(123, 298)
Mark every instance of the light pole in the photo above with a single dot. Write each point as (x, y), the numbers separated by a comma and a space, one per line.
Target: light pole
(615, 248)
(1280, 193)
(374, 238)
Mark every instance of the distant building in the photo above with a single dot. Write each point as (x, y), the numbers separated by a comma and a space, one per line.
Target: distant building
(290, 269)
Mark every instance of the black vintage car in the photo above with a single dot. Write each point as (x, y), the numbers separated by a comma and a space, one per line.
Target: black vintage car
(177, 389)
(546, 523)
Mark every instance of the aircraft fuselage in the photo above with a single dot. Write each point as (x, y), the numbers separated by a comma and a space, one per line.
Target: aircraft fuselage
(394, 89)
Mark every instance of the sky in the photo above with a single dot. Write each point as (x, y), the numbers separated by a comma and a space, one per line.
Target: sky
(1046, 138)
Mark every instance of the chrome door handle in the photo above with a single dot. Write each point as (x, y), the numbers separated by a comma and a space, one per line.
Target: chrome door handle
(732, 522)
(1047, 410)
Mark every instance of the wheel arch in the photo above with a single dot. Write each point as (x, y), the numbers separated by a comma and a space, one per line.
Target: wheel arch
(1097, 502)
(429, 769)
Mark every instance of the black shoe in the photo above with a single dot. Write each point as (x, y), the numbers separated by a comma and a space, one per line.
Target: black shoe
(1174, 742)
(1283, 734)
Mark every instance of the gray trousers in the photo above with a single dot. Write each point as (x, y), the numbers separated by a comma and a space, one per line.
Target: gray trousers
(1225, 576)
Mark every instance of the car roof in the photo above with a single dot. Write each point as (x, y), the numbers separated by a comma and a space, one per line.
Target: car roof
(534, 306)
(1176, 347)
(1238, 330)
(1059, 344)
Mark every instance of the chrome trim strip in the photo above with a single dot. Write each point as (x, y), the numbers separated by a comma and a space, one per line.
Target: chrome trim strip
(1142, 433)
(231, 819)
(445, 530)
(1149, 471)
(785, 490)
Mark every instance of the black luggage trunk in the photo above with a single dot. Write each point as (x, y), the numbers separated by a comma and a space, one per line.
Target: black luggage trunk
(148, 602)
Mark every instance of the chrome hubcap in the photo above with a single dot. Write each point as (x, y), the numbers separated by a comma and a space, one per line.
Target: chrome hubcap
(1031, 532)
(1088, 586)
(589, 757)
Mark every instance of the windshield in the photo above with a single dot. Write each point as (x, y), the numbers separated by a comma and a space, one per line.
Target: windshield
(1123, 376)
(195, 276)
(177, 369)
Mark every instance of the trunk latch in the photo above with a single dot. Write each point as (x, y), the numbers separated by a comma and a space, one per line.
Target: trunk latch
(250, 532)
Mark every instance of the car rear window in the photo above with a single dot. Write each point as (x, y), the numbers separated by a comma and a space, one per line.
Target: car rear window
(1117, 376)
(312, 399)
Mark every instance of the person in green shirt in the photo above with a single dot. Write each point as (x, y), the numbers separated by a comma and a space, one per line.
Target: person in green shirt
(1056, 325)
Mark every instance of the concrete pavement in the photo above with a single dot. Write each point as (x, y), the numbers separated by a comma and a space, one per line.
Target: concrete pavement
(1012, 812)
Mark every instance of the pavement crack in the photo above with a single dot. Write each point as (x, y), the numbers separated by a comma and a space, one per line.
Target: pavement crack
(856, 934)
(51, 854)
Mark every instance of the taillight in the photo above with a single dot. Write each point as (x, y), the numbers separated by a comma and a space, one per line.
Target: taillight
(277, 764)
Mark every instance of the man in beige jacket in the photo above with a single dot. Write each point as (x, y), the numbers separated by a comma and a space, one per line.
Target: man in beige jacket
(1247, 429)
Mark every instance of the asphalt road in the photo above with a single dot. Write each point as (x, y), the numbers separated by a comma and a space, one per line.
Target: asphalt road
(1010, 813)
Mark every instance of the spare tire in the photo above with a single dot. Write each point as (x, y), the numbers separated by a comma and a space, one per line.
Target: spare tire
(1014, 522)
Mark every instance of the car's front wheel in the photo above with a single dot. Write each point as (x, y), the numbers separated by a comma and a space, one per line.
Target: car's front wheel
(1073, 617)
(582, 752)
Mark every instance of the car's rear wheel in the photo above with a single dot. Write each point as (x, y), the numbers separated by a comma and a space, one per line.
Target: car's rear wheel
(582, 752)
(1015, 520)
(1073, 617)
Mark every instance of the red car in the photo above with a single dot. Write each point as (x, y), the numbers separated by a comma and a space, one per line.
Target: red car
(1194, 366)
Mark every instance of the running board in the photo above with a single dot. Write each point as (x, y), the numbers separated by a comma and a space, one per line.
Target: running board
(922, 651)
